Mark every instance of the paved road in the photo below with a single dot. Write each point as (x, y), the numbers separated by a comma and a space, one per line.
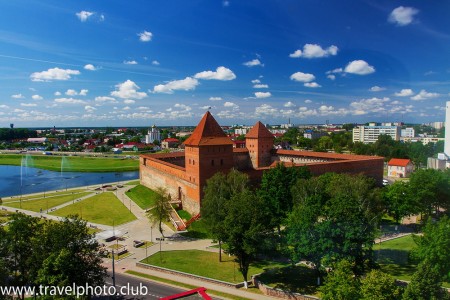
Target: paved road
(133, 284)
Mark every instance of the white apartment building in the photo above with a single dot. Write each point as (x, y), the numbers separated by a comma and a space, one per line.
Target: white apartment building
(370, 134)
(153, 135)
(408, 132)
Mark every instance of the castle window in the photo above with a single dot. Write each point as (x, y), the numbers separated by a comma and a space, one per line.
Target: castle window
(189, 161)
(193, 162)
(212, 162)
(221, 162)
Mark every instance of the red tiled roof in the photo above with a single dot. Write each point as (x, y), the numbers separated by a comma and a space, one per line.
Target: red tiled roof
(399, 162)
(208, 132)
(171, 140)
(259, 131)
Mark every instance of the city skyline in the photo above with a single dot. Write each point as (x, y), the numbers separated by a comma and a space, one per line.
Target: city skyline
(167, 62)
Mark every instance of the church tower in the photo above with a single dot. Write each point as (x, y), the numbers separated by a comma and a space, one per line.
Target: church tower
(207, 151)
(259, 142)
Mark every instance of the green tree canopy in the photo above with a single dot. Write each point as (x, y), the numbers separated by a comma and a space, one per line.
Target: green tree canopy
(377, 285)
(341, 284)
(161, 211)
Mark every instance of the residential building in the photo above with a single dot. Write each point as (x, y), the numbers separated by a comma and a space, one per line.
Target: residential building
(208, 151)
(369, 134)
(408, 132)
(310, 134)
(153, 135)
(398, 167)
(170, 143)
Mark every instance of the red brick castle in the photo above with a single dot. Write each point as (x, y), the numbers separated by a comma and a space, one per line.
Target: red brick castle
(208, 150)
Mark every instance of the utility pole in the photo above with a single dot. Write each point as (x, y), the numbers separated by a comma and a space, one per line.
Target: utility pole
(113, 270)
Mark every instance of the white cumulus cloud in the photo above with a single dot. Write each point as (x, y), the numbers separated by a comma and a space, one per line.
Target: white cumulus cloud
(231, 104)
(84, 15)
(90, 67)
(186, 84)
(302, 77)
(402, 15)
(145, 36)
(28, 104)
(215, 98)
(130, 62)
(69, 101)
(128, 89)
(359, 67)
(260, 86)
(54, 74)
(155, 63)
(377, 88)
(253, 63)
(314, 51)
(89, 108)
(289, 104)
(312, 85)
(404, 93)
(423, 95)
(18, 96)
(36, 97)
(129, 101)
(263, 94)
(105, 99)
(221, 73)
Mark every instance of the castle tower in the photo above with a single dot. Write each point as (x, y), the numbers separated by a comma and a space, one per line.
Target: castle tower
(207, 151)
(259, 142)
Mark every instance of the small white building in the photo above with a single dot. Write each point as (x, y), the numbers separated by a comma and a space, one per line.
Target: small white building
(398, 167)
(408, 132)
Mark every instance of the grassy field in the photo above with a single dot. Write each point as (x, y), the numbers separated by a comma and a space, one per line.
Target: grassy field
(197, 230)
(41, 195)
(103, 208)
(74, 163)
(133, 182)
(189, 261)
(46, 203)
(394, 258)
(298, 279)
(142, 196)
(184, 215)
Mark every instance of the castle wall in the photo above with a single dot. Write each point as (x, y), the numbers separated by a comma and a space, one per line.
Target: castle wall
(241, 159)
(156, 173)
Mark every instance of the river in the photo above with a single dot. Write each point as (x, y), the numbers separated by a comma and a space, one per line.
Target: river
(17, 180)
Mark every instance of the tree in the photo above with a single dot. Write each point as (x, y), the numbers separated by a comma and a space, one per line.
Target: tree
(399, 200)
(433, 246)
(275, 192)
(72, 255)
(161, 211)
(425, 284)
(377, 285)
(22, 232)
(341, 284)
(218, 191)
(245, 229)
(431, 188)
(334, 218)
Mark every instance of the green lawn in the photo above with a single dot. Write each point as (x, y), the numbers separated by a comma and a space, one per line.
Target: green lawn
(48, 202)
(74, 163)
(104, 208)
(204, 263)
(142, 196)
(197, 230)
(41, 195)
(298, 279)
(184, 215)
(133, 182)
(394, 258)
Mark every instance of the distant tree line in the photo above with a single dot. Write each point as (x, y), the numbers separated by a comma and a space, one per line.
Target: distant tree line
(10, 134)
(331, 221)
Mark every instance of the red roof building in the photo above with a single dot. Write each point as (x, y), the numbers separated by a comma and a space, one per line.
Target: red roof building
(398, 167)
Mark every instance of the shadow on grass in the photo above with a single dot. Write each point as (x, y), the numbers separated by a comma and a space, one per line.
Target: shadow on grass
(392, 256)
(297, 279)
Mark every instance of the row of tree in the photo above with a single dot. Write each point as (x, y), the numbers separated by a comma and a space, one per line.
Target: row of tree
(36, 252)
(323, 220)
(9, 134)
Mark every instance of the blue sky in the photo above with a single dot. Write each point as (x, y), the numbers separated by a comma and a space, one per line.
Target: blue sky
(124, 63)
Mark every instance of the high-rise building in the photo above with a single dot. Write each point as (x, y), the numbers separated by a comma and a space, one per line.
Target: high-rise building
(447, 130)
(369, 134)
(153, 135)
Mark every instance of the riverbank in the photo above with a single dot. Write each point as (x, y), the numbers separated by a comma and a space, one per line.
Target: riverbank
(72, 163)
